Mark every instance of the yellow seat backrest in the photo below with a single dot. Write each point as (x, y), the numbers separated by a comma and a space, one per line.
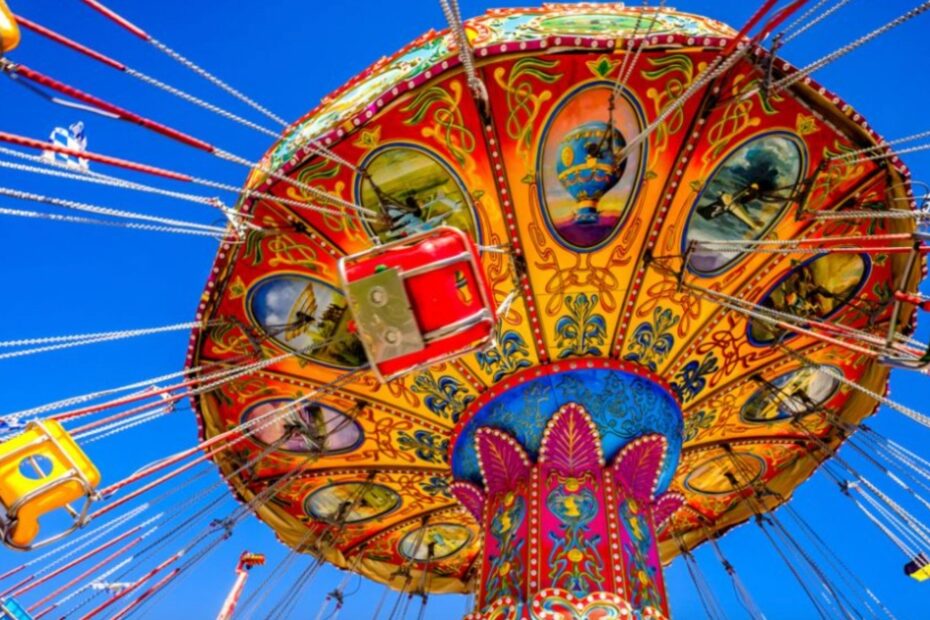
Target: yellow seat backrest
(9, 31)
(921, 574)
(41, 470)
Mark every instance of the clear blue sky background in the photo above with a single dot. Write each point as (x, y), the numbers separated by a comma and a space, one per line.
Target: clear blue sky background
(68, 279)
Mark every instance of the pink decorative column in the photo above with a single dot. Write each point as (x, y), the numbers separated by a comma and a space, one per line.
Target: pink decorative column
(569, 536)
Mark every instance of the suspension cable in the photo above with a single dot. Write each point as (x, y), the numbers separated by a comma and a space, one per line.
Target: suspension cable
(264, 589)
(883, 144)
(19, 70)
(57, 169)
(762, 520)
(176, 176)
(709, 602)
(910, 529)
(14, 417)
(177, 510)
(222, 441)
(329, 539)
(122, 550)
(258, 500)
(790, 36)
(912, 414)
(849, 47)
(72, 219)
(99, 210)
(723, 62)
(78, 543)
(742, 594)
(760, 490)
(97, 336)
(453, 15)
(124, 23)
(34, 583)
(801, 325)
(838, 564)
(119, 66)
(630, 60)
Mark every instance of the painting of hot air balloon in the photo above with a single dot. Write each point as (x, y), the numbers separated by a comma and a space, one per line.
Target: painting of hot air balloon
(586, 180)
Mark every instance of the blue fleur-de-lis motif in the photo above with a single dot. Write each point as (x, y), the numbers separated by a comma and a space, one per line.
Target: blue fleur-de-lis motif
(580, 331)
(426, 445)
(690, 380)
(436, 485)
(507, 357)
(653, 341)
(446, 397)
(697, 422)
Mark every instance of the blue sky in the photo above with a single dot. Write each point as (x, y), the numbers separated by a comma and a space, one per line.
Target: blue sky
(68, 279)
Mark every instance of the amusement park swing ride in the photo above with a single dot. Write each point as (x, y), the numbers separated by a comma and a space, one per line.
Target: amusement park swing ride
(524, 311)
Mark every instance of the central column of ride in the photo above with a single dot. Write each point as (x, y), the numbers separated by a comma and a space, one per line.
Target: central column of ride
(564, 467)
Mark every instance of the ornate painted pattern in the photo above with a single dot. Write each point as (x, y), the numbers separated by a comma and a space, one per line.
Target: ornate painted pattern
(564, 522)
(606, 309)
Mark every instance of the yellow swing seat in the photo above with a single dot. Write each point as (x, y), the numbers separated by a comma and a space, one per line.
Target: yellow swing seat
(9, 31)
(41, 470)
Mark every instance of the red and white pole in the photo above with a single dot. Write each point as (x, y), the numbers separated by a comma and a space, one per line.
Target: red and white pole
(246, 562)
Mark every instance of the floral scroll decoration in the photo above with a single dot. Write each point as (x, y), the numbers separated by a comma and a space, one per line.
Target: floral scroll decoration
(231, 337)
(643, 573)
(314, 174)
(838, 171)
(243, 389)
(523, 103)
(448, 123)
(426, 445)
(575, 561)
(582, 330)
(445, 396)
(653, 340)
(584, 271)
(668, 290)
(620, 409)
(676, 72)
(509, 356)
(727, 346)
(505, 576)
(698, 421)
(737, 117)
(277, 248)
(397, 388)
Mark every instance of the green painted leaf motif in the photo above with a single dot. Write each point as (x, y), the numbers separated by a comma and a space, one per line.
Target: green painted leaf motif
(253, 246)
(669, 64)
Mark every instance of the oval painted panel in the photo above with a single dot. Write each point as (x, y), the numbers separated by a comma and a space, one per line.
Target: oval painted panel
(796, 393)
(324, 430)
(599, 23)
(710, 477)
(370, 501)
(416, 192)
(447, 540)
(306, 316)
(815, 289)
(743, 198)
(585, 188)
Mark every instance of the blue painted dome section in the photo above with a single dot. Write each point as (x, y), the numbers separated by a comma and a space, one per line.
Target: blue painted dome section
(623, 405)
